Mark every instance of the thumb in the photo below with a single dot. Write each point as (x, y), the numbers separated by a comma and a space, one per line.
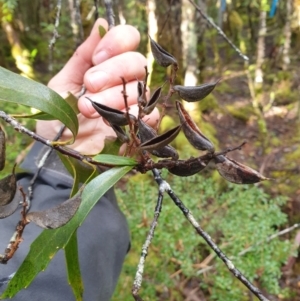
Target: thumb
(70, 78)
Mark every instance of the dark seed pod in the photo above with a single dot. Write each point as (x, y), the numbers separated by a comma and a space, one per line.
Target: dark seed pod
(8, 187)
(122, 136)
(2, 149)
(162, 57)
(141, 94)
(195, 93)
(236, 172)
(152, 102)
(10, 208)
(186, 169)
(192, 132)
(147, 133)
(113, 116)
(161, 140)
(55, 217)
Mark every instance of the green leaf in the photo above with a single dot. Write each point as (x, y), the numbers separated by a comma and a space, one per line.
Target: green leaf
(81, 172)
(38, 116)
(43, 249)
(70, 99)
(102, 31)
(115, 160)
(73, 268)
(18, 89)
(111, 146)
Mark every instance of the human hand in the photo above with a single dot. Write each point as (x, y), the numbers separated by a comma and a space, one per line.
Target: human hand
(98, 64)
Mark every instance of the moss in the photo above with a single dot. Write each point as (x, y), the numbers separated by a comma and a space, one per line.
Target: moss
(208, 103)
(243, 113)
(223, 87)
(286, 95)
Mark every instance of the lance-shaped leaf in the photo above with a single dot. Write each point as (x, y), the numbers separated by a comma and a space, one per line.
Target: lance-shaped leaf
(47, 244)
(141, 89)
(152, 102)
(192, 132)
(57, 216)
(186, 168)
(236, 172)
(114, 160)
(18, 89)
(122, 136)
(70, 99)
(2, 149)
(113, 116)
(146, 133)
(162, 57)
(8, 187)
(10, 208)
(195, 93)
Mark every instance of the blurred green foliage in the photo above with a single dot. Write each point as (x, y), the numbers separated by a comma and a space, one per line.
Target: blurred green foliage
(16, 143)
(236, 218)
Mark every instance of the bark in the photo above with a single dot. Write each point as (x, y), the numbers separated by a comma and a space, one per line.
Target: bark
(189, 36)
(287, 36)
(260, 54)
(200, 28)
(169, 17)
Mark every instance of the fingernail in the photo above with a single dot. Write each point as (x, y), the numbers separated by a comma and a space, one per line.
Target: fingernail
(100, 57)
(98, 80)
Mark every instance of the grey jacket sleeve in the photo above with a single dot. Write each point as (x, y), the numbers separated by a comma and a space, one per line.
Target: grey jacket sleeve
(103, 239)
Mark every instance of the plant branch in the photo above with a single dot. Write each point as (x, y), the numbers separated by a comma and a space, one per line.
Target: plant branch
(62, 149)
(209, 241)
(140, 269)
(96, 5)
(219, 30)
(55, 34)
(16, 238)
(109, 14)
(252, 247)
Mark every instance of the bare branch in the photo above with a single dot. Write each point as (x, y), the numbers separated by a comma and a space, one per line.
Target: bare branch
(109, 13)
(209, 241)
(62, 149)
(55, 34)
(219, 30)
(140, 269)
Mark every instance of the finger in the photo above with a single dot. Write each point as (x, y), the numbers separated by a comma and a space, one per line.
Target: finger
(70, 78)
(112, 97)
(129, 65)
(119, 39)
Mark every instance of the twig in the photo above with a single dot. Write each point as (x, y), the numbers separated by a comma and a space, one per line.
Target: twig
(163, 186)
(41, 164)
(16, 238)
(252, 247)
(62, 149)
(219, 30)
(167, 18)
(80, 37)
(109, 13)
(209, 241)
(268, 239)
(55, 34)
(96, 5)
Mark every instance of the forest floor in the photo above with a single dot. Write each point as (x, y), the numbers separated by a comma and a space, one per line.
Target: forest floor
(275, 153)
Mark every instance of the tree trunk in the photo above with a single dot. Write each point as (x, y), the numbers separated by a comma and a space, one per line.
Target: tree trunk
(168, 14)
(287, 36)
(189, 50)
(260, 54)
(200, 28)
